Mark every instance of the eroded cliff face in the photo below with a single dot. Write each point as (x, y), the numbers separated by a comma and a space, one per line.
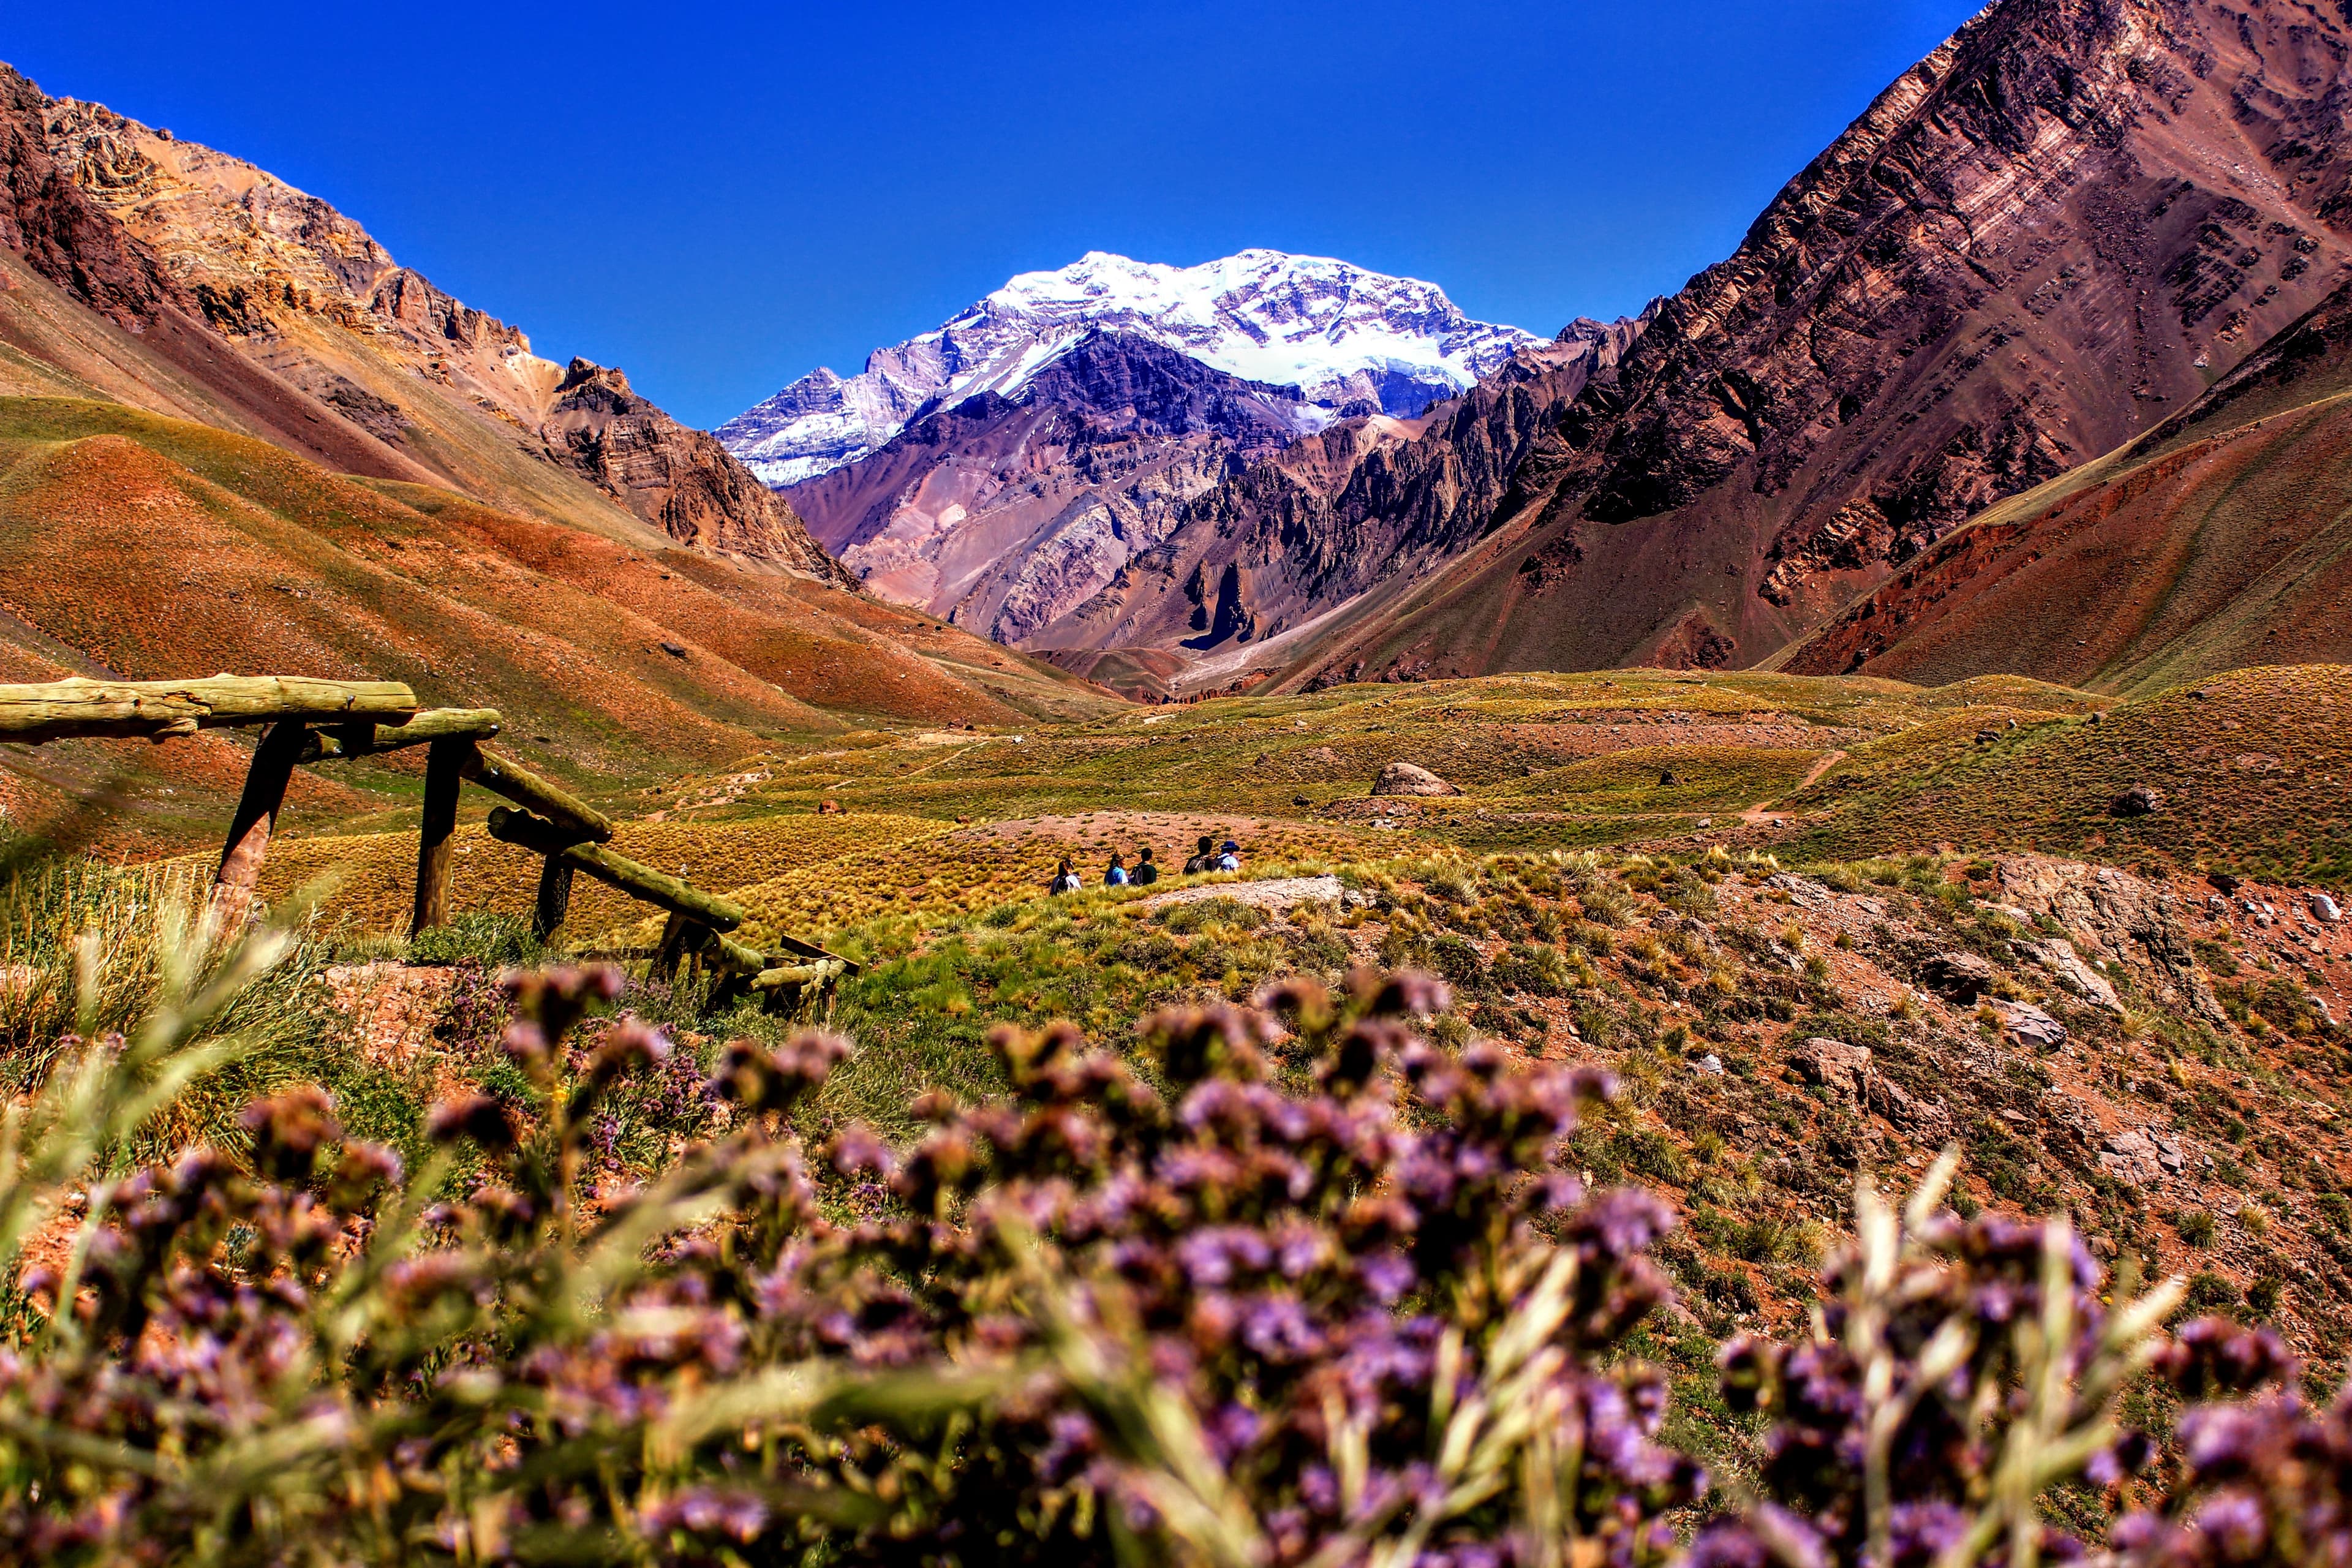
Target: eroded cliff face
(2222, 538)
(45, 215)
(167, 236)
(2043, 239)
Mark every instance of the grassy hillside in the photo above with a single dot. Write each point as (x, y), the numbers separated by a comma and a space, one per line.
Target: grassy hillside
(146, 547)
(2249, 771)
(2247, 775)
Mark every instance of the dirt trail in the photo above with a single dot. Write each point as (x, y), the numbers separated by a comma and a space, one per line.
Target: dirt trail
(1760, 813)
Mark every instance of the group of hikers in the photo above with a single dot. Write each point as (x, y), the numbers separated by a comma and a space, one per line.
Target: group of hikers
(1212, 856)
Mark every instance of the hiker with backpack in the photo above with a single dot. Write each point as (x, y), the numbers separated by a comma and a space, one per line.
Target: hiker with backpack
(1066, 880)
(1147, 870)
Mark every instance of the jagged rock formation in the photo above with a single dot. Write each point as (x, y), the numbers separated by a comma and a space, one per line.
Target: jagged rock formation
(291, 322)
(1004, 513)
(680, 479)
(1352, 341)
(2040, 242)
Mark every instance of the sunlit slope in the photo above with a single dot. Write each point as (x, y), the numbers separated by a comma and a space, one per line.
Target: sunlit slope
(146, 547)
(2221, 539)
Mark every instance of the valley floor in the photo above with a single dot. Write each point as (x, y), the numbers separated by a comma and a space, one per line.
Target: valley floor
(1815, 926)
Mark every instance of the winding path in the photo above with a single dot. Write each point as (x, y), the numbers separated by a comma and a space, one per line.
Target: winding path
(1760, 813)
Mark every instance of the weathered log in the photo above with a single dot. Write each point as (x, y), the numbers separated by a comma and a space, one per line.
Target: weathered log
(554, 905)
(639, 881)
(345, 741)
(810, 950)
(157, 709)
(444, 780)
(798, 975)
(504, 775)
(274, 761)
(728, 955)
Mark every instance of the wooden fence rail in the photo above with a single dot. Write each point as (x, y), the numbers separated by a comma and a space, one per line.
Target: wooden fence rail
(310, 721)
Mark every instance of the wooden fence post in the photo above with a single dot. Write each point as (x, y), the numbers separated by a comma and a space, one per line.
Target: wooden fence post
(445, 762)
(555, 897)
(274, 761)
(671, 951)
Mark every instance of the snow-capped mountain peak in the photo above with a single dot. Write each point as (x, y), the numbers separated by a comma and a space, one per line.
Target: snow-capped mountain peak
(1343, 336)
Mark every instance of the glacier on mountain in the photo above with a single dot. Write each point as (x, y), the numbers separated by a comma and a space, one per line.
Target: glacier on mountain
(1349, 340)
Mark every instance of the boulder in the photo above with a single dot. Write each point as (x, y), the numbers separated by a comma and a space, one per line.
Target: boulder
(2024, 1022)
(2140, 1156)
(1404, 778)
(2137, 801)
(1923, 1118)
(2325, 910)
(1960, 976)
(2058, 956)
(1833, 1064)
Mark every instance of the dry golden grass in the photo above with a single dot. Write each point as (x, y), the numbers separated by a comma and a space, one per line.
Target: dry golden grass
(970, 870)
(379, 870)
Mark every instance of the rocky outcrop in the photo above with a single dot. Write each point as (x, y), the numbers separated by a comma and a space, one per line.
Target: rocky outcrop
(682, 479)
(2120, 919)
(1411, 779)
(45, 215)
(2034, 246)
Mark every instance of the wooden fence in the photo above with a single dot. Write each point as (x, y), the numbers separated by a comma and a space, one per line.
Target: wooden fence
(309, 721)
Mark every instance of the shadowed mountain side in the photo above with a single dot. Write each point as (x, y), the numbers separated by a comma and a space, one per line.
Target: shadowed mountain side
(2222, 538)
(1366, 503)
(1007, 513)
(2030, 249)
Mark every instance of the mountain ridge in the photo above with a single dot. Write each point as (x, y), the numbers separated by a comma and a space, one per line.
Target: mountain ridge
(306, 332)
(1343, 336)
(2030, 248)
(1003, 512)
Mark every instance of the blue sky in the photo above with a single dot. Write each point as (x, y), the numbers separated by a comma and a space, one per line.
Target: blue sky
(720, 198)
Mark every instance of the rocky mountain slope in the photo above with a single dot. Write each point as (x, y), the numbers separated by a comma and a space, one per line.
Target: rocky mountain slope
(233, 436)
(1005, 512)
(2222, 538)
(275, 315)
(1252, 569)
(1350, 341)
(2043, 240)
